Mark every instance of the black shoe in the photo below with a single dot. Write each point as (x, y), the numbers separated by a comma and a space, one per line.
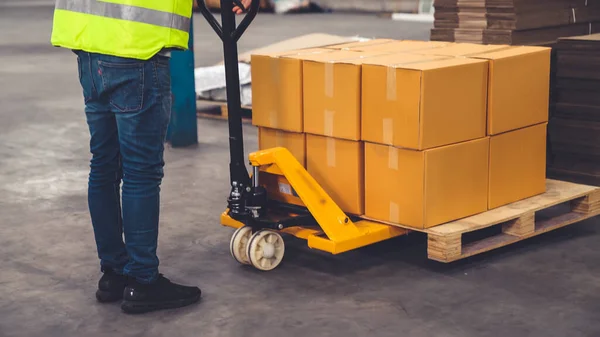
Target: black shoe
(110, 286)
(162, 294)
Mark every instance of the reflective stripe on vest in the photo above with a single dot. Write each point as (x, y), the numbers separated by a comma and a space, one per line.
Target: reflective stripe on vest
(125, 12)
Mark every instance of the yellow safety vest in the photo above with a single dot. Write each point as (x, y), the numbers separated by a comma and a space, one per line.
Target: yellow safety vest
(127, 28)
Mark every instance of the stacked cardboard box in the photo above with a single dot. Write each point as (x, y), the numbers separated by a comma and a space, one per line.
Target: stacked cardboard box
(420, 133)
(574, 128)
(532, 22)
(278, 111)
(313, 96)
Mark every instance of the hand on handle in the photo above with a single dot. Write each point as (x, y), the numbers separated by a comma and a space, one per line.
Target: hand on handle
(240, 6)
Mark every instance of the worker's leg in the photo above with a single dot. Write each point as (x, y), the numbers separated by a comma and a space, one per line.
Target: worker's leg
(105, 172)
(104, 182)
(141, 101)
(140, 95)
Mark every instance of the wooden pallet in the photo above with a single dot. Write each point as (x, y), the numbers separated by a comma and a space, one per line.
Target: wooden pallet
(218, 110)
(517, 221)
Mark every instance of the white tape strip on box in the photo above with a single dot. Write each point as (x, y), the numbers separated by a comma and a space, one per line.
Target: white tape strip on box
(273, 114)
(388, 131)
(331, 152)
(328, 123)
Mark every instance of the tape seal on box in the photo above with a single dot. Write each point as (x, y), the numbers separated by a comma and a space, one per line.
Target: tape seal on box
(330, 152)
(392, 158)
(394, 212)
(388, 131)
(390, 87)
(329, 79)
(328, 123)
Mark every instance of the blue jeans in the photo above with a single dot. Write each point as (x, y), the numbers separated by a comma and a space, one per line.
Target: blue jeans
(127, 106)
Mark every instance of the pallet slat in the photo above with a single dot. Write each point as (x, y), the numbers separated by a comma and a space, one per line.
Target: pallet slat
(557, 192)
(519, 220)
(501, 240)
(521, 226)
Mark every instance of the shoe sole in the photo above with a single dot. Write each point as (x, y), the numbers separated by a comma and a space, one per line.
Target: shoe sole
(107, 297)
(133, 307)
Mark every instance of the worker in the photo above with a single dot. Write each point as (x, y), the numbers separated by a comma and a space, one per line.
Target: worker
(123, 49)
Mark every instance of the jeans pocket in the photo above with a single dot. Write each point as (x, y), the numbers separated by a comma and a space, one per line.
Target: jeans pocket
(125, 84)
(79, 70)
(163, 78)
(85, 82)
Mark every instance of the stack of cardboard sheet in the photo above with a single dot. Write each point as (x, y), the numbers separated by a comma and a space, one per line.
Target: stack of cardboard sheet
(410, 132)
(574, 129)
(514, 22)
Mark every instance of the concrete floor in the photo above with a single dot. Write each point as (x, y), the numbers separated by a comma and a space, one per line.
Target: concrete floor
(548, 286)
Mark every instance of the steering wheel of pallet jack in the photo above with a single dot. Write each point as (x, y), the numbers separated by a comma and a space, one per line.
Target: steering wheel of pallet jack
(239, 244)
(265, 250)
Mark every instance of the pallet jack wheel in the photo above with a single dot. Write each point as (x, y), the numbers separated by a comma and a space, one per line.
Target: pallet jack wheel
(239, 243)
(265, 250)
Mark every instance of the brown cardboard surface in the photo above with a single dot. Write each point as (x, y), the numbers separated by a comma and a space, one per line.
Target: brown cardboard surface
(519, 87)
(422, 189)
(314, 40)
(517, 165)
(332, 93)
(277, 89)
(338, 166)
(461, 49)
(357, 45)
(519, 80)
(421, 105)
(279, 188)
(296, 53)
(401, 46)
(332, 56)
(294, 142)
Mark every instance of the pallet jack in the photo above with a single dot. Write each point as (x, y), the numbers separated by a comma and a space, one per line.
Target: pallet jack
(258, 217)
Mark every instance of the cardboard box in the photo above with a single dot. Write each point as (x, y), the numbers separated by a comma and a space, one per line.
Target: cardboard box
(421, 105)
(517, 165)
(279, 188)
(422, 189)
(277, 89)
(338, 166)
(332, 96)
(519, 82)
(519, 87)
(294, 142)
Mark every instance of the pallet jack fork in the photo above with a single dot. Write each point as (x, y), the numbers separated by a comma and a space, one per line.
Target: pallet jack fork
(257, 218)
